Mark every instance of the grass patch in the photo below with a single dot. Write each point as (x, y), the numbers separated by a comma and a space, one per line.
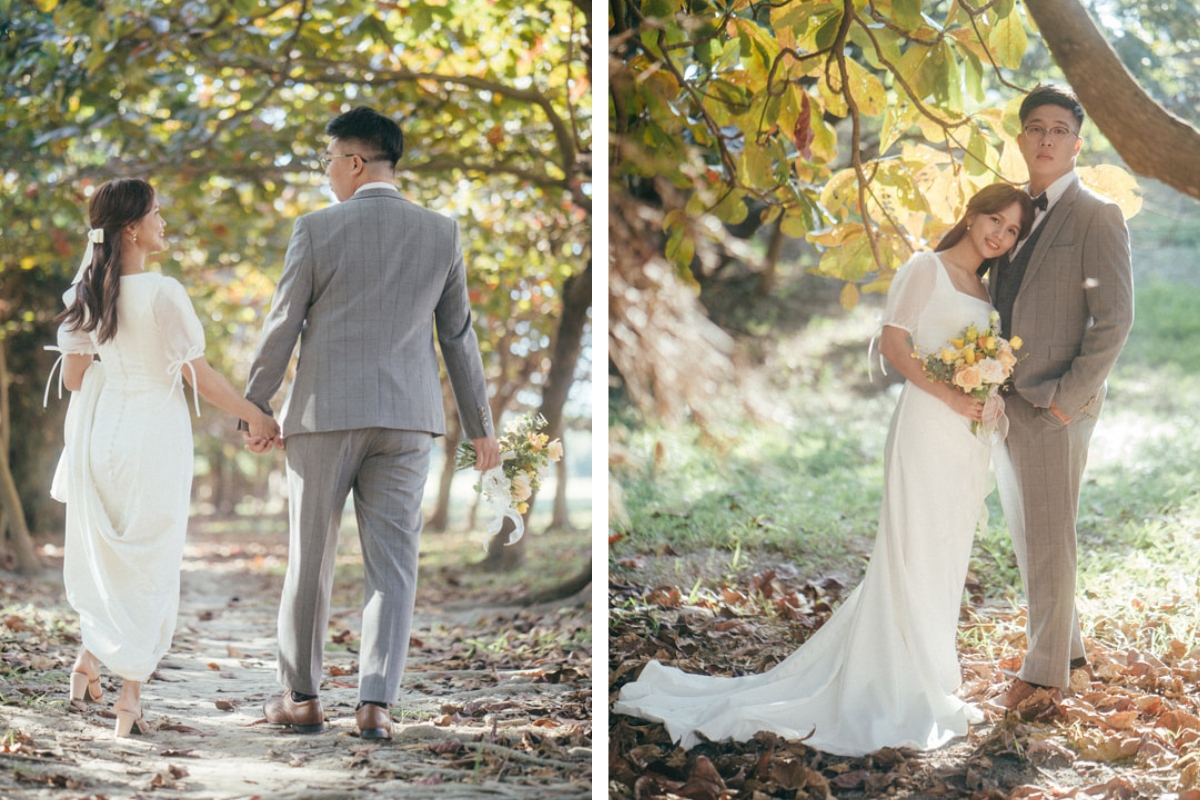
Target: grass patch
(809, 488)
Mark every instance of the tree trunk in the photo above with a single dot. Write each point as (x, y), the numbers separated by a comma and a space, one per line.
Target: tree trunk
(562, 515)
(439, 520)
(1151, 140)
(562, 591)
(577, 299)
(18, 533)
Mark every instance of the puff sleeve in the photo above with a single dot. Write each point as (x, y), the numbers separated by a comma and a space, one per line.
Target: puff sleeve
(910, 292)
(180, 329)
(74, 342)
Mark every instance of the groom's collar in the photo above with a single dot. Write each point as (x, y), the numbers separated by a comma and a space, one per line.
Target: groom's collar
(376, 185)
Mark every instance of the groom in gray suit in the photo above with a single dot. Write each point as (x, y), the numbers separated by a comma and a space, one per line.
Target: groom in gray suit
(363, 284)
(1067, 291)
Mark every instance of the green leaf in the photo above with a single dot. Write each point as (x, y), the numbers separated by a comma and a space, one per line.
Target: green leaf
(907, 14)
(1008, 41)
(897, 118)
(828, 31)
(731, 209)
(918, 68)
(972, 74)
(795, 223)
(850, 262)
(978, 150)
(755, 168)
(681, 248)
(659, 9)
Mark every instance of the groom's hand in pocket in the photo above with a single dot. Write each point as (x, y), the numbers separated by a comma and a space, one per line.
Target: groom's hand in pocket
(487, 453)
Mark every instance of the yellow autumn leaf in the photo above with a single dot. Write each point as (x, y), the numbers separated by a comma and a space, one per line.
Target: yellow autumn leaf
(868, 91)
(837, 235)
(849, 296)
(1114, 183)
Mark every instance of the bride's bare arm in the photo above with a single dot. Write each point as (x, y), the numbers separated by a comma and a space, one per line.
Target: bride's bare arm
(897, 348)
(214, 388)
(74, 365)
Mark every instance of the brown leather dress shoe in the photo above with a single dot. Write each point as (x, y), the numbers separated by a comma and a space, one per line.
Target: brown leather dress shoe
(1027, 700)
(303, 717)
(374, 722)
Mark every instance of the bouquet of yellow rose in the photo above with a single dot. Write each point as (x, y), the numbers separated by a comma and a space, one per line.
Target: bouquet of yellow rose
(977, 363)
(525, 454)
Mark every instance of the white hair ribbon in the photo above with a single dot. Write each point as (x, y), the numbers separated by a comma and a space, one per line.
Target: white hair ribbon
(95, 236)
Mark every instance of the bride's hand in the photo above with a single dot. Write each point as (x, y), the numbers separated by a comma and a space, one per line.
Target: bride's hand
(964, 404)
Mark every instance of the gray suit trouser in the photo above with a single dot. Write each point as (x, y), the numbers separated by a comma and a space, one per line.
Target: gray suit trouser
(1039, 471)
(386, 469)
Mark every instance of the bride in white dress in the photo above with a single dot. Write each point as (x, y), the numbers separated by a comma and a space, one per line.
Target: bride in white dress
(883, 669)
(126, 471)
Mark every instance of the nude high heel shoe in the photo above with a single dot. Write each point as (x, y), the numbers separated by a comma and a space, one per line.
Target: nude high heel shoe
(129, 723)
(84, 686)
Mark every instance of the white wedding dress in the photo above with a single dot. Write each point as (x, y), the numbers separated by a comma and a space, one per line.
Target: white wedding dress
(126, 474)
(883, 669)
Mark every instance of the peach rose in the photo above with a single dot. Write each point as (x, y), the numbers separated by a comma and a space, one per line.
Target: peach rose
(967, 378)
(522, 486)
(1006, 359)
(554, 450)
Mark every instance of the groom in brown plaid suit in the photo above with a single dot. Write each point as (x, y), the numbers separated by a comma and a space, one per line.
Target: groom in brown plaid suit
(1067, 291)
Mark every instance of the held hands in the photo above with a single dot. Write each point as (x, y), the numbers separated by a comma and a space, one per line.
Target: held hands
(264, 432)
(487, 453)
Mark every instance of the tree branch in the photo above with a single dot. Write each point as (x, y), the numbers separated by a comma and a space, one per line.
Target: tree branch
(1153, 142)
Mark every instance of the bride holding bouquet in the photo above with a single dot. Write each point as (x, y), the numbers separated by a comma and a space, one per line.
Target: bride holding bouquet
(882, 672)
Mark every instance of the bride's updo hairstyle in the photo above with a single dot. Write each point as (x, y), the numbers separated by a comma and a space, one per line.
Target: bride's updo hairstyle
(115, 206)
(989, 200)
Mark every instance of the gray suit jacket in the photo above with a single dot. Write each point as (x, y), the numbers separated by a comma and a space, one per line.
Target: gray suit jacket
(1075, 305)
(363, 283)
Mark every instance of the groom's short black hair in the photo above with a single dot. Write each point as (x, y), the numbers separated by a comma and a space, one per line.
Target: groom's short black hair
(373, 130)
(1049, 94)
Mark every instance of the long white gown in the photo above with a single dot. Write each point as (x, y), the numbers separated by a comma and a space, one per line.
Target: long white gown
(126, 475)
(883, 669)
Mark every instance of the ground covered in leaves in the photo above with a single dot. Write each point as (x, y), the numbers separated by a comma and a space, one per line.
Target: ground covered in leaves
(496, 700)
(1128, 729)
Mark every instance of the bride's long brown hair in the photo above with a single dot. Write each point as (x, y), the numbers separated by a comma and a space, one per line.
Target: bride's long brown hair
(989, 200)
(115, 206)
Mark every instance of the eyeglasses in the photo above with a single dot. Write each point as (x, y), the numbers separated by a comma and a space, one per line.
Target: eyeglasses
(1057, 134)
(325, 159)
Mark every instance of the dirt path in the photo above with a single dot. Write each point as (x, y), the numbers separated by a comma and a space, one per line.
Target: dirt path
(492, 706)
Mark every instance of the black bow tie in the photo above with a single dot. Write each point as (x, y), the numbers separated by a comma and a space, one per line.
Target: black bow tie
(1041, 201)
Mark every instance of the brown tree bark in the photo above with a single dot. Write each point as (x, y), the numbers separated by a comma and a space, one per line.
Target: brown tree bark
(568, 342)
(568, 588)
(1152, 141)
(439, 520)
(18, 533)
(561, 519)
